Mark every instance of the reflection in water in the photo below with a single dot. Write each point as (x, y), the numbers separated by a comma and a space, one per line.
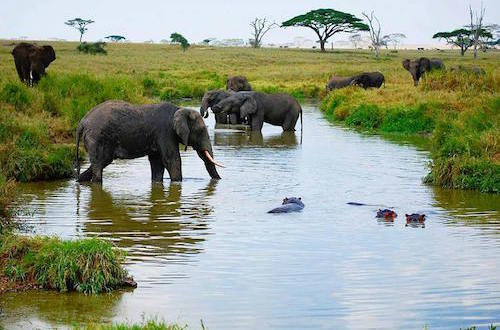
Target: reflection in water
(240, 139)
(162, 225)
(209, 250)
(46, 309)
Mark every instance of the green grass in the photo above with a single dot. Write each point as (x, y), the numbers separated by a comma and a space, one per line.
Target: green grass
(145, 325)
(88, 265)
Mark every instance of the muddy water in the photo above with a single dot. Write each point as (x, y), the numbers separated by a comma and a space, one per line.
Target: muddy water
(208, 250)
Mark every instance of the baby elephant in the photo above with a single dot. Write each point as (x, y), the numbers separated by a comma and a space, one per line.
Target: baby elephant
(290, 204)
(32, 60)
(420, 66)
(238, 84)
(365, 80)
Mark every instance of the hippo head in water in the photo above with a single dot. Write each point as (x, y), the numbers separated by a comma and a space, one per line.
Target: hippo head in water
(292, 200)
(290, 204)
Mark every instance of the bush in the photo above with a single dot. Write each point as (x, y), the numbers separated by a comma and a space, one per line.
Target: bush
(16, 95)
(408, 121)
(365, 116)
(89, 265)
(92, 48)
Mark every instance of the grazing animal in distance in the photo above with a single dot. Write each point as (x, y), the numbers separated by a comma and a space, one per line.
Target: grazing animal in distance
(31, 61)
(420, 66)
(290, 204)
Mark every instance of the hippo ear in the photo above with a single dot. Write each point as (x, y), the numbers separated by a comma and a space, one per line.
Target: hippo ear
(406, 64)
(300, 198)
(248, 107)
(181, 125)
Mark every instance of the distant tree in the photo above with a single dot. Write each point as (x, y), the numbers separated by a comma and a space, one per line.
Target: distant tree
(79, 24)
(327, 22)
(476, 27)
(115, 38)
(178, 38)
(462, 38)
(355, 39)
(494, 40)
(374, 30)
(260, 27)
(394, 38)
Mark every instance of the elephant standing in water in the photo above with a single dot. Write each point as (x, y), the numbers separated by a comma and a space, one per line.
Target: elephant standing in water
(238, 84)
(210, 99)
(276, 109)
(117, 129)
(420, 66)
(31, 61)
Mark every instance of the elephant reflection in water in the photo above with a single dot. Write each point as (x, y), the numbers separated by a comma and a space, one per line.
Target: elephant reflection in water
(240, 140)
(163, 221)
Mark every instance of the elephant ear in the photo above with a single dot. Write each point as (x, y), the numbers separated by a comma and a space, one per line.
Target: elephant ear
(49, 55)
(406, 64)
(424, 64)
(181, 124)
(248, 107)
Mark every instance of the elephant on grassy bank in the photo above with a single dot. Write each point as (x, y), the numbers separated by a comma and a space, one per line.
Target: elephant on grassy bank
(364, 79)
(420, 66)
(210, 99)
(120, 130)
(32, 60)
(276, 109)
(238, 84)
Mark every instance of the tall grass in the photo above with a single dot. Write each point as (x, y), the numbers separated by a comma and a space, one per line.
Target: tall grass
(89, 265)
(144, 325)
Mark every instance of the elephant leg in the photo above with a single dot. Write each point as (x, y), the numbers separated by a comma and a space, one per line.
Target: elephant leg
(100, 158)
(233, 119)
(257, 124)
(289, 123)
(172, 162)
(157, 168)
(86, 176)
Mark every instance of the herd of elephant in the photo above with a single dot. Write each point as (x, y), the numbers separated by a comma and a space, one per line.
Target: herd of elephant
(120, 130)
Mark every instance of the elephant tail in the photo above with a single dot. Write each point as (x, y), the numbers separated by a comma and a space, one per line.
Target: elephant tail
(79, 132)
(301, 125)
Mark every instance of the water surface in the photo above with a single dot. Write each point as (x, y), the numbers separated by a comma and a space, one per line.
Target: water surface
(208, 250)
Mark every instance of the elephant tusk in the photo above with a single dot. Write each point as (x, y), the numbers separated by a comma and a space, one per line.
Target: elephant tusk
(207, 154)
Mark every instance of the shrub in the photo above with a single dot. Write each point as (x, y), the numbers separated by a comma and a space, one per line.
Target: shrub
(16, 95)
(92, 48)
(88, 265)
(409, 121)
(365, 116)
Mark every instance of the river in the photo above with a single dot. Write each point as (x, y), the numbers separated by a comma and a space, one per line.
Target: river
(207, 250)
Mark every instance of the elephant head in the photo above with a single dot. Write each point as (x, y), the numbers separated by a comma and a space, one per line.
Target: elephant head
(240, 103)
(417, 68)
(211, 98)
(238, 84)
(191, 131)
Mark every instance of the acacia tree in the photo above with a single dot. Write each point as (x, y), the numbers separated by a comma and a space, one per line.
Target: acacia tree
(179, 38)
(355, 39)
(462, 38)
(260, 27)
(79, 24)
(327, 22)
(374, 30)
(115, 38)
(394, 38)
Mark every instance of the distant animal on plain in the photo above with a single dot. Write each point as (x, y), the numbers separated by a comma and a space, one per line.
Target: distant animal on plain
(290, 204)
(364, 79)
(474, 70)
(420, 66)
(32, 60)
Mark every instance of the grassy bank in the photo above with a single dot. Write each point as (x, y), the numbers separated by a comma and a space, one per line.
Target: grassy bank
(459, 112)
(89, 265)
(145, 325)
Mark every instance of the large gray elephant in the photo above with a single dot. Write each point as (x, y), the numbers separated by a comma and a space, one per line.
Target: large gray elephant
(238, 84)
(337, 82)
(276, 109)
(213, 97)
(32, 60)
(120, 130)
(420, 66)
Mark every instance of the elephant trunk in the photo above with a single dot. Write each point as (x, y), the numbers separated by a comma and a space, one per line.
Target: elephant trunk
(207, 157)
(204, 108)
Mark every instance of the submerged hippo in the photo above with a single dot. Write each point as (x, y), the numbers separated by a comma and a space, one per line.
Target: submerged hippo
(415, 217)
(386, 213)
(290, 204)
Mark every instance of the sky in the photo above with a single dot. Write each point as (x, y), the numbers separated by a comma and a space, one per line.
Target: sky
(197, 20)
